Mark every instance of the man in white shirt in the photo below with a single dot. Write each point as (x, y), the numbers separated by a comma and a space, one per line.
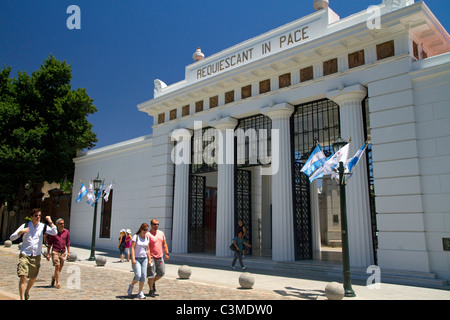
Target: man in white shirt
(30, 253)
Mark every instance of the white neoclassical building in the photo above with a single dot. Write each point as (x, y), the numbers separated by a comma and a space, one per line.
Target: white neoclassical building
(380, 75)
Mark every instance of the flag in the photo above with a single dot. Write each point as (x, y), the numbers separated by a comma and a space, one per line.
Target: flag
(354, 161)
(82, 193)
(329, 166)
(90, 195)
(107, 190)
(99, 192)
(315, 160)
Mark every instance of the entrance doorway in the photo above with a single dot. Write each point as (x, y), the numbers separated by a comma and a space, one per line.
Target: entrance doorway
(210, 219)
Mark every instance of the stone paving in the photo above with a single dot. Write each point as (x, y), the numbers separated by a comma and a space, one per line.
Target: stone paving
(86, 281)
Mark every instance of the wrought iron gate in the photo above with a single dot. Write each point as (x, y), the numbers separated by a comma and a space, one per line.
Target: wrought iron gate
(302, 214)
(243, 202)
(312, 122)
(196, 216)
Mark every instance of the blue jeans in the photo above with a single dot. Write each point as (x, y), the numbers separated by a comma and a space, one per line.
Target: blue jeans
(140, 269)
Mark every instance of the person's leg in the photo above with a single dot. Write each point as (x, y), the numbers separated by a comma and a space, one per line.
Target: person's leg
(240, 259)
(22, 286)
(29, 286)
(236, 253)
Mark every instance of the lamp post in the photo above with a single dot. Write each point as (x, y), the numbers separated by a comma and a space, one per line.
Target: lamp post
(97, 184)
(348, 291)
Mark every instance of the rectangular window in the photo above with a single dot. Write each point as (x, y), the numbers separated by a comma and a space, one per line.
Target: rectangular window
(105, 216)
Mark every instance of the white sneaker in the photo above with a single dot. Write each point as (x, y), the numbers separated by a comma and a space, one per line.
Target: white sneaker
(141, 295)
(233, 267)
(130, 290)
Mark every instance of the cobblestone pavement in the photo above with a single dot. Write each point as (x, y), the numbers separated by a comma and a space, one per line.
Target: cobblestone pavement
(82, 281)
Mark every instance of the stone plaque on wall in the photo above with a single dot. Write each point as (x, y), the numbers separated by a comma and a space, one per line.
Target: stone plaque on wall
(385, 50)
(199, 106)
(285, 80)
(330, 67)
(214, 101)
(264, 86)
(306, 74)
(229, 96)
(161, 117)
(185, 110)
(356, 59)
(246, 91)
(173, 114)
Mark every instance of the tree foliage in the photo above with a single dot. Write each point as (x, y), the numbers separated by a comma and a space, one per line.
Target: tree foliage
(43, 123)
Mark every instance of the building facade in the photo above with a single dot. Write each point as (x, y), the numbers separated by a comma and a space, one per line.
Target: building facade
(230, 139)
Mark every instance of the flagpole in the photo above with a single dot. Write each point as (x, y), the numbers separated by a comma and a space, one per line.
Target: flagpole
(348, 291)
(97, 182)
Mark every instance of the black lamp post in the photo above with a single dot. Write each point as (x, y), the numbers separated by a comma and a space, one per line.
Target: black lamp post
(97, 184)
(344, 227)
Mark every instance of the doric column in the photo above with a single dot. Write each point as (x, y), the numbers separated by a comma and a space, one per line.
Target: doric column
(225, 186)
(181, 157)
(358, 205)
(282, 205)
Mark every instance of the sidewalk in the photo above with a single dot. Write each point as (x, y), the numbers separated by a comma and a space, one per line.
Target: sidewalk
(83, 280)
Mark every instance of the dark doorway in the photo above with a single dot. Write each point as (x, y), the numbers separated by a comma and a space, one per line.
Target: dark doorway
(210, 219)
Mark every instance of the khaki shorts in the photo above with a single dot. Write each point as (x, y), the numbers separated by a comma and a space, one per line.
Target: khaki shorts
(156, 268)
(28, 266)
(58, 258)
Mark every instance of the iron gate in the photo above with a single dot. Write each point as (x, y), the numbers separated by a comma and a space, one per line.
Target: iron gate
(243, 202)
(196, 216)
(312, 122)
(302, 214)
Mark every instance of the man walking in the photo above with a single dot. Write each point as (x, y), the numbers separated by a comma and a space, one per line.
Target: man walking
(58, 244)
(30, 253)
(156, 270)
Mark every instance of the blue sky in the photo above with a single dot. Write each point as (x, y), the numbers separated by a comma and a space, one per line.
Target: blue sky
(123, 46)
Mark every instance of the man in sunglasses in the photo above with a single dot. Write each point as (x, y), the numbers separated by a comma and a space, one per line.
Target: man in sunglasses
(30, 253)
(156, 270)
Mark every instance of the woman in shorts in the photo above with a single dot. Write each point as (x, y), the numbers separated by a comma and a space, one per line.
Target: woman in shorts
(140, 253)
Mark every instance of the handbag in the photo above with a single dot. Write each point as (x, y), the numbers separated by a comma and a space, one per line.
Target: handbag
(232, 247)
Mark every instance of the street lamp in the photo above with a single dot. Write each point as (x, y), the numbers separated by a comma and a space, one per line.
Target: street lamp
(97, 184)
(348, 291)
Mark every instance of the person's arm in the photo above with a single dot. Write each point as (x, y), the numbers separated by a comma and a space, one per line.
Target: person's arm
(68, 244)
(53, 231)
(149, 254)
(21, 230)
(166, 249)
(47, 255)
(235, 244)
(133, 259)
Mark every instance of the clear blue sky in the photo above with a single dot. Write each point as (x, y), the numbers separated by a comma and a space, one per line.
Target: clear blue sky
(123, 46)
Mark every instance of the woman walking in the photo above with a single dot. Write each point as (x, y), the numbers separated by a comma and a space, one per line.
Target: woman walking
(140, 253)
(239, 242)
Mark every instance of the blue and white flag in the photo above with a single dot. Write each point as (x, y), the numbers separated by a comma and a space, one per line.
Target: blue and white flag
(354, 161)
(91, 196)
(82, 193)
(315, 160)
(331, 163)
(99, 192)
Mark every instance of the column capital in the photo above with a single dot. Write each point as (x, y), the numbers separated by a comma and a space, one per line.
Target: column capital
(278, 111)
(224, 123)
(356, 92)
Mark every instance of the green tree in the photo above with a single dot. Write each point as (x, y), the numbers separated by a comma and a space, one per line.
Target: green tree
(42, 126)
